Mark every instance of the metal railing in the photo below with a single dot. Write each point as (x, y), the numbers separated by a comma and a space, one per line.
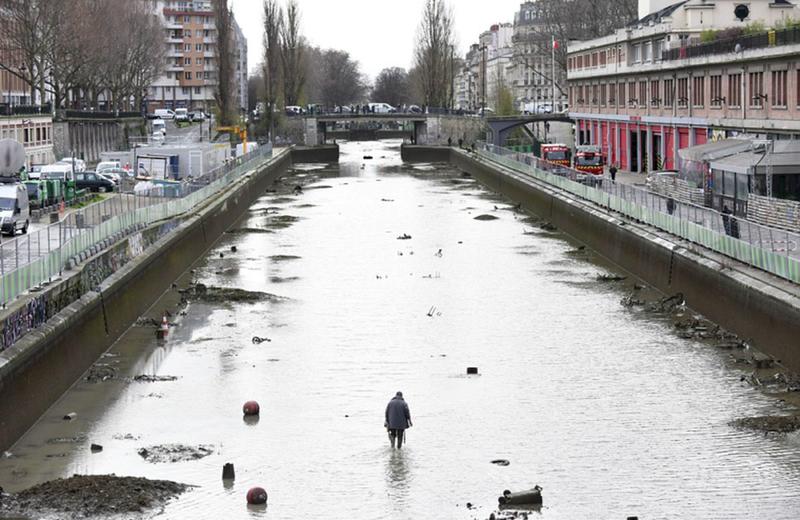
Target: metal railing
(775, 38)
(770, 249)
(29, 260)
(97, 114)
(24, 110)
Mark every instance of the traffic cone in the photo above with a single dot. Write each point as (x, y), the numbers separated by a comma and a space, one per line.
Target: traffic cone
(164, 325)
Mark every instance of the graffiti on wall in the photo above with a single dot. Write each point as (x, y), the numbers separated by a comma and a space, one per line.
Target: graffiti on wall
(40, 309)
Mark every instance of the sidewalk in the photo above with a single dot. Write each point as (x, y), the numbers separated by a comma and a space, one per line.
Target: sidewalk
(629, 178)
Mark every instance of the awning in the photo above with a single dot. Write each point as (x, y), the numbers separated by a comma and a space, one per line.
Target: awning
(715, 150)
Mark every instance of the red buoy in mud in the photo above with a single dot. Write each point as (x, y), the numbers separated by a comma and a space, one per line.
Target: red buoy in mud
(251, 408)
(257, 496)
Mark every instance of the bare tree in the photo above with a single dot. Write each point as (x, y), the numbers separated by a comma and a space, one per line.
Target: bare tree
(434, 52)
(340, 78)
(225, 69)
(292, 55)
(28, 30)
(271, 65)
(391, 86)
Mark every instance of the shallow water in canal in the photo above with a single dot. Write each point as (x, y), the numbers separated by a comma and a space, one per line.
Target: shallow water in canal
(605, 408)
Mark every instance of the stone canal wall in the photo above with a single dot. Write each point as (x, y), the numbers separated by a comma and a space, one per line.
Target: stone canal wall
(43, 364)
(756, 306)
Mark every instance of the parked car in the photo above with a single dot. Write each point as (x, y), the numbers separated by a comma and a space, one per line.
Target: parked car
(198, 116)
(414, 109)
(294, 110)
(164, 113)
(157, 137)
(107, 165)
(182, 115)
(58, 172)
(93, 182)
(15, 209)
(35, 172)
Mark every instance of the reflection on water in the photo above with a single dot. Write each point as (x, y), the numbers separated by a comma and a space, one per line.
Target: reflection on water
(609, 411)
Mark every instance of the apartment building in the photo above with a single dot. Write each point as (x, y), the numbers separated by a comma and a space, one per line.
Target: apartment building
(240, 51)
(684, 74)
(534, 70)
(190, 75)
(488, 65)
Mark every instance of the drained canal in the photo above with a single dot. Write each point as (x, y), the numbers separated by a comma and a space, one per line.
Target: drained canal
(605, 407)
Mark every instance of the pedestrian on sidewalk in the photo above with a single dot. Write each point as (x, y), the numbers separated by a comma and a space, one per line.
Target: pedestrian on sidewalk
(670, 205)
(726, 219)
(398, 419)
(613, 172)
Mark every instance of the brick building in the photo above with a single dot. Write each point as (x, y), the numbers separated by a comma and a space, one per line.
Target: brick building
(34, 132)
(687, 73)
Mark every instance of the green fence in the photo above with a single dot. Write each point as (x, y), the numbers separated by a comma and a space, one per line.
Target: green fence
(710, 230)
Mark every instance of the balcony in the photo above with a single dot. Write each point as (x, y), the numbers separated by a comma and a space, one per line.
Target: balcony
(788, 36)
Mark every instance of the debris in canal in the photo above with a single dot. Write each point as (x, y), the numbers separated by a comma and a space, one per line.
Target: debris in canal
(70, 416)
(97, 496)
(280, 221)
(163, 453)
(472, 371)
(769, 423)
(526, 497)
(501, 462)
(547, 226)
(610, 278)
(99, 373)
(146, 378)
(228, 472)
(404, 236)
(145, 321)
(248, 230)
(95, 448)
(78, 439)
(210, 294)
(283, 258)
(257, 340)
(486, 217)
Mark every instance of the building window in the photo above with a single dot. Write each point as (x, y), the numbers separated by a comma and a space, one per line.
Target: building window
(632, 93)
(602, 58)
(655, 93)
(647, 50)
(658, 48)
(185, 91)
(778, 94)
(198, 47)
(187, 19)
(669, 92)
(621, 99)
(594, 59)
(187, 61)
(198, 61)
(683, 92)
(187, 47)
(602, 95)
(716, 91)
(637, 53)
(698, 91)
(642, 93)
(612, 94)
(734, 90)
(187, 75)
(756, 84)
(197, 90)
(594, 95)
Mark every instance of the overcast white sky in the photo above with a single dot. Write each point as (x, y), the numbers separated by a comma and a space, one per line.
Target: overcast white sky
(377, 33)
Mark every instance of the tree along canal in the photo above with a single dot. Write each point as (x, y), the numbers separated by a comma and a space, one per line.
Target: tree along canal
(605, 407)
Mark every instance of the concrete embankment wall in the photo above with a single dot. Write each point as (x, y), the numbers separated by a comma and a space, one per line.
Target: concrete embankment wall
(41, 366)
(89, 137)
(767, 314)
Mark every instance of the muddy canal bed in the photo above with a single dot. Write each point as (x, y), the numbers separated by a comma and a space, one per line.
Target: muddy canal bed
(610, 408)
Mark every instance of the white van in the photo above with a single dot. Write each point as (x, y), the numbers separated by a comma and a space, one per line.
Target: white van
(182, 115)
(15, 212)
(381, 108)
(164, 113)
(62, 172)
(107, 165)
(159, 127)
(79, 164)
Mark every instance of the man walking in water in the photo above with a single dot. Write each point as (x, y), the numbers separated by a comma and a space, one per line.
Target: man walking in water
(398, 418)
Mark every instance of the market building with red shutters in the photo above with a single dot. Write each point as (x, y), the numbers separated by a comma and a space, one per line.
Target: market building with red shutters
(685, 74)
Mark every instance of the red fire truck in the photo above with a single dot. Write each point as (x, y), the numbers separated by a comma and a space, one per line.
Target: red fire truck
(589, 159)
(556, 154)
